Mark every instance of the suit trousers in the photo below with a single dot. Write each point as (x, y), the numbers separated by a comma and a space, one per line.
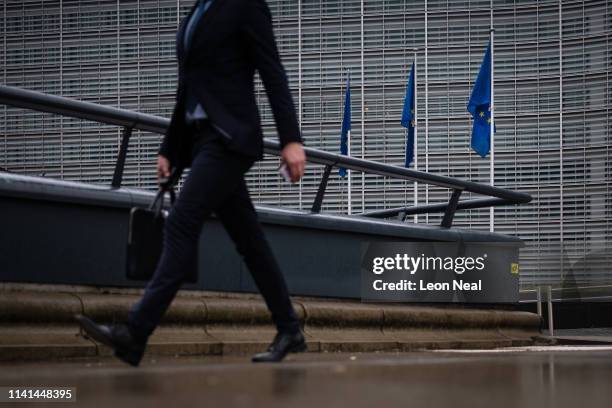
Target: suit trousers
(216, 184)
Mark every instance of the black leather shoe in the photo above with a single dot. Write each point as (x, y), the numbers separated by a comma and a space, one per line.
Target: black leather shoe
(117, 337)
(283, 344)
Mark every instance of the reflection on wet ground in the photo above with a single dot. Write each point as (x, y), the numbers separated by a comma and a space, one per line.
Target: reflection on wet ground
(579, 377)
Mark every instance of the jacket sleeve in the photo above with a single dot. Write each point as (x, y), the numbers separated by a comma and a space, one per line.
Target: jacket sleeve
(262, 46)
(164, 148)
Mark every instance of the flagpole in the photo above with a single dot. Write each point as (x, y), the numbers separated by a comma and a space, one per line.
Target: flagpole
(415, 155)
(492, 126)
(426, 107)
(299, 87)
(348, 153)
(362, 38)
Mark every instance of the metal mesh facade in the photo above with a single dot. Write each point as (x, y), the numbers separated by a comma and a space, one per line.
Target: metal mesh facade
(552, 96)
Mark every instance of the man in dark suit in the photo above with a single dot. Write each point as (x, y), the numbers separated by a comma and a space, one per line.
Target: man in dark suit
(215, 130)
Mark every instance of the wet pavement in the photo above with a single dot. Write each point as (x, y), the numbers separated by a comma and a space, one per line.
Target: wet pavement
(531, 377)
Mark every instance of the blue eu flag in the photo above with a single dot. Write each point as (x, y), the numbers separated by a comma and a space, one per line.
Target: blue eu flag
(346, 125)
(480, 107)
(408, 117)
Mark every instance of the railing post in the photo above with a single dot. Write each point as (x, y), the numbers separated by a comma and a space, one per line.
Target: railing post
(316, 206)
(451, 209)
(119, 166)
(539, 298)
(550, 312)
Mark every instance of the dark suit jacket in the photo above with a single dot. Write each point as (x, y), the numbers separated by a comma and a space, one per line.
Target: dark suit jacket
(232, 40)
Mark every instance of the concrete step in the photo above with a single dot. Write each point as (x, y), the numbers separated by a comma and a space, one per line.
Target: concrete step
(37, 322)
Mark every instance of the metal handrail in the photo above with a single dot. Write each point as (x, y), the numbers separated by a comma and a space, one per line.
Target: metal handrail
(134, 120)
(432, 208)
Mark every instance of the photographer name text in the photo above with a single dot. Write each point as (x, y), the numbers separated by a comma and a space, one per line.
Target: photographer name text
(408, 285)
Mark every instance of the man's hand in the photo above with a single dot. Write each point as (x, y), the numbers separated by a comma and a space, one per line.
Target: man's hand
(293, 155)
(163, 168)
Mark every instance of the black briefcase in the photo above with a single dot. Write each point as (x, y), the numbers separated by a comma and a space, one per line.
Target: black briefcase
(145, 237)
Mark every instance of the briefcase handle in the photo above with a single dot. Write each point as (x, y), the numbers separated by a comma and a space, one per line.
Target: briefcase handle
(166, 184)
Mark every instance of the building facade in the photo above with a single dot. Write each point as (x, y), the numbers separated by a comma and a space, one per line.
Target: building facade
(553, 89)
